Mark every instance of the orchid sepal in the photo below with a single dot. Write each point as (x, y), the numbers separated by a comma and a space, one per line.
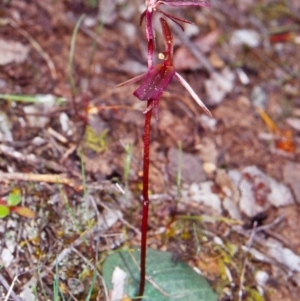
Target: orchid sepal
(193, 93)
(132, 80)
(183, 3)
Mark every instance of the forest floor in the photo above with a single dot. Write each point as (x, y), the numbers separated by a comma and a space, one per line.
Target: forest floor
(225, 191)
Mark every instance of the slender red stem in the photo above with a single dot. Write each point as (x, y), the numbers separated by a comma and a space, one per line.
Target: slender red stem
(144, 227)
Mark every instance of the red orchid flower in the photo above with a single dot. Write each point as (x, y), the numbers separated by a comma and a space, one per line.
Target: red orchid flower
(156, 80)
(152, 5)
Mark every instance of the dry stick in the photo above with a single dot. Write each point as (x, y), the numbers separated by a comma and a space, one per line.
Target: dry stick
(37, 47)
(48, 178)
(56, 179)
(9, 289)
(30, 159)
(11, 152)
(146, 161)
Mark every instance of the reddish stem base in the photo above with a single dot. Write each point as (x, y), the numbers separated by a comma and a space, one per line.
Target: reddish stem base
(146, 160)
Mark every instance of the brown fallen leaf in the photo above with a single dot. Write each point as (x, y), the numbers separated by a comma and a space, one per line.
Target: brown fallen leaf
(23, 211)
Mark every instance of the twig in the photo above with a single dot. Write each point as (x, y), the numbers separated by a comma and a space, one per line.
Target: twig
(275, 222)
(9, 288)
(57, 135)
(48, 178)
(267, 229)
(37, 47)
(29, 159)
(11, 152)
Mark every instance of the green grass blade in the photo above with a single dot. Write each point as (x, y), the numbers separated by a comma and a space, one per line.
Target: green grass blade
(71, 54)
(33, 98)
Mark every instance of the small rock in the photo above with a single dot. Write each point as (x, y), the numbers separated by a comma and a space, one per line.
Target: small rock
(259, 192)
(294, 123)
(209, 167)
(283, 255)
(242, 75)
(191, 30)
(208, 122)
(231, 207)
(247, 37)
(203, 194)
(191, 166)
(119, 282)
(259, 97)
(27, 294)
(261, 278)
(6, 257)
(34, 112)
(219, 85)
(250, 203)
(291, 260)
(280, 194)
(12, 52)
(67, 125)
(129, 31)
(208, 150)
(5, 128)
(75, 285)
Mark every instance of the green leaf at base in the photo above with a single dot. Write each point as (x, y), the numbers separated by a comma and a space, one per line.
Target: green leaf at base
(169, 279)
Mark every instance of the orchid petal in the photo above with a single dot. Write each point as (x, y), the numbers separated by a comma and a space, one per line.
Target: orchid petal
(175, 19)
(193, 94)
(132, 80)
(184, 3)
(168, 39)
(155, 83)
